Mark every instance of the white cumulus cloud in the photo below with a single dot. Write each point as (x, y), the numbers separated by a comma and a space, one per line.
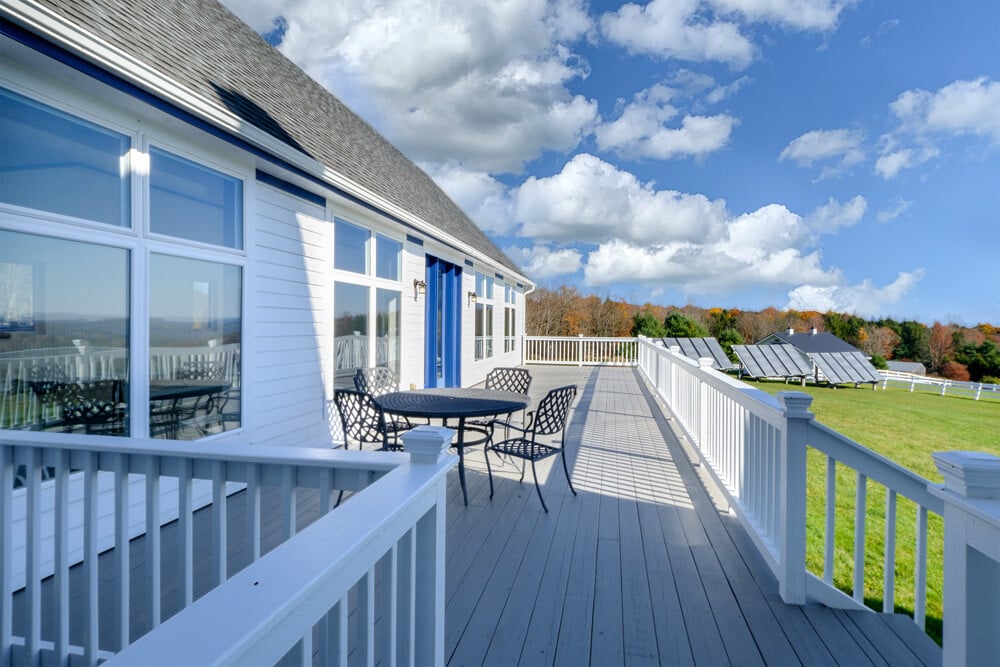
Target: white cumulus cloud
(837, 149)
(863, 299)
(925, 118)
(800, 14)
(483, 198)
(833, 215)
(543, 262)
(642, 129)
(592, 201)
(898, 208)
(677, 29)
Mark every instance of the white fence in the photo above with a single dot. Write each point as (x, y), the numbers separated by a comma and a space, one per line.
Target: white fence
(579, 351)
(756, 449)
(391, 530)
(915, 383)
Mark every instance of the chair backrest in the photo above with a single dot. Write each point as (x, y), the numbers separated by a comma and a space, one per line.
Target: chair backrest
(361, 417)
(550, 417)
(517, 380)
(376, 381)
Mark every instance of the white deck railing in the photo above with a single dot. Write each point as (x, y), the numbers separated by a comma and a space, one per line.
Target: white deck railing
(915, 383)
(756, 449)
(579, 351)
(393, 527)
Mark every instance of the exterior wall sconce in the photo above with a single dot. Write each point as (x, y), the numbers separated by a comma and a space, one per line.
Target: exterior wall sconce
(419, 287)
(473, 297)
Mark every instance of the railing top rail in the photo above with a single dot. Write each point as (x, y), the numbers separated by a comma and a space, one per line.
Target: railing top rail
(231, 452)
(608, 339)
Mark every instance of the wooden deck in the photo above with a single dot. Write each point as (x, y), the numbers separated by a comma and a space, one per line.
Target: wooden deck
(644, 566)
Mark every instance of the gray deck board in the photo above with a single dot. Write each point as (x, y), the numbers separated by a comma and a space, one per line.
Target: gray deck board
(643, 567)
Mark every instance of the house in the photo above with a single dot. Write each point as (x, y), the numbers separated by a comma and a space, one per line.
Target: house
(189, 222)
(834, 360)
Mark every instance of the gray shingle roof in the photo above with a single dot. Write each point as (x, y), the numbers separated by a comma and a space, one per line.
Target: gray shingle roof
(203, 46)
(815, 342)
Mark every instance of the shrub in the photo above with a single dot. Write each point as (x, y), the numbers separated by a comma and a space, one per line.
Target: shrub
(954, 370)
(989, 379)
(878, 361)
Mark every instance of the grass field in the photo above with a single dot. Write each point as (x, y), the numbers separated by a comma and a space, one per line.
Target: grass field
(906, 428)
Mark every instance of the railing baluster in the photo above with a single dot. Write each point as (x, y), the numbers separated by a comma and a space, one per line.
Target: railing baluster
(61, 556)
(405, 582)
(920, 570)
(253, 511)
(6, 548)
(90, 590)
(288, 496)
(33, 555)
(389, 616)
(121, 550)
(219, 523)
(185, 533)
(366, 618)
(859, 538)
(831, 519)
(889, 560)
(153, 542)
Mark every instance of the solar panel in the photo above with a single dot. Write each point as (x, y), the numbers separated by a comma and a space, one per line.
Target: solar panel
(769, 361)
(845, 367)
(695, 348)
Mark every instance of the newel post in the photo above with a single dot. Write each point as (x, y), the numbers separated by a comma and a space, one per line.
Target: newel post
(792, 496)
(426, 445)
(704, 363)
(971, 494)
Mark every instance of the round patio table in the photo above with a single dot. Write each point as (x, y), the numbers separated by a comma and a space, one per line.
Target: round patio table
(453, 403)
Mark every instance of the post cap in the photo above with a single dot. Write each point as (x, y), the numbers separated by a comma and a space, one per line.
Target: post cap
(796, 404)
(971, 474)
(426, 443)
(705, 362)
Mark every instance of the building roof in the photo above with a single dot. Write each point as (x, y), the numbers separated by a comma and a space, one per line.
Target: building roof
(914, 367)
(695, 348)
(810, 342)
(204, 47)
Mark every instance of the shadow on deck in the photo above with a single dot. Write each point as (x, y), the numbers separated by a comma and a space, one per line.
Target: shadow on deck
(644, 566)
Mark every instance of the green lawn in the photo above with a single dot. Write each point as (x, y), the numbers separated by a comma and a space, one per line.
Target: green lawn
(906, 428)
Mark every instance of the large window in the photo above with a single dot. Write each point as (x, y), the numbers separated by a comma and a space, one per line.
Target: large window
(189, 201)
(195, 335)
(64, 343)
(367, 308)
(484, 317)
(53, 162)
(66, 357)
(510, 319)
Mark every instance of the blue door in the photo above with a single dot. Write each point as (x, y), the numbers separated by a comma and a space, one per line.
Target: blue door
(443, 355)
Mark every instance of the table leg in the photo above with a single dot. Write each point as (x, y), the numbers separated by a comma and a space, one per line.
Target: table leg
(461, 459)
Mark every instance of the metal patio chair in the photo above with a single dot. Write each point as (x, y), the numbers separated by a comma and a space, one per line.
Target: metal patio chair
(548, 420)
(364, 421)
(512, 379)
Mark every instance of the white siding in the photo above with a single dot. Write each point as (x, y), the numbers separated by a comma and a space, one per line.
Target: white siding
(412, 325)
(289, 320)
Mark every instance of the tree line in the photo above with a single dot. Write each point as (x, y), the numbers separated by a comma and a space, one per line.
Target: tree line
(948, 350)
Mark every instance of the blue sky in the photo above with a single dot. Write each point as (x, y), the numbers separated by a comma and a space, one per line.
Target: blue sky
(815, 154)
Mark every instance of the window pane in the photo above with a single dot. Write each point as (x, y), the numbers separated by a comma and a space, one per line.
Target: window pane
(64, 323)
(350, 332)
(350, 247)
(54, 162)
(480, 314)
(488, 336)
(387, 335)
(195, 334)
(189, 201)
(388, 256)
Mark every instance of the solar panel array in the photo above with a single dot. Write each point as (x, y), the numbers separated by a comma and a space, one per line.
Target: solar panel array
(773, 361)
(695, 348)
(845, 367)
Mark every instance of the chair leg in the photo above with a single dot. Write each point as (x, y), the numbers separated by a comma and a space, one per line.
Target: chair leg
(489, 470)
(538, 489)
(566, 470)
(524, 466)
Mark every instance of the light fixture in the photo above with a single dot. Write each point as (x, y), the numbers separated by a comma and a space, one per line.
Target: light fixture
(473, 297)
(419, 286)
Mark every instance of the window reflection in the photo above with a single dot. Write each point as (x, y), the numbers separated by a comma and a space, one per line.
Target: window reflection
(350, 332)
(387, 334)
(189, 201)
(195, 324)
(54, 162)
(388, 258)
(64, 322)
(350, 252)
